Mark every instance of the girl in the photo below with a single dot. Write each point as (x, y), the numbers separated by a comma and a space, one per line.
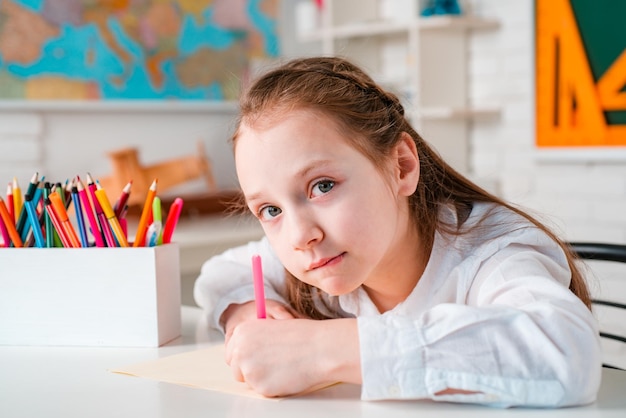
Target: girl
(385, 267)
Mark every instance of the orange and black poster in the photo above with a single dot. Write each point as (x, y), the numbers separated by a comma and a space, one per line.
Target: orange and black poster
(581, 73)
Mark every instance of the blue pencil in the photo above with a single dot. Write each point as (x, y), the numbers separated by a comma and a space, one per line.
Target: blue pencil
(34, 222)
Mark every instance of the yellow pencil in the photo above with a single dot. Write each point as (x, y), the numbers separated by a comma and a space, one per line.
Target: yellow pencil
(110, 215)
(140, 237)
(17, 199)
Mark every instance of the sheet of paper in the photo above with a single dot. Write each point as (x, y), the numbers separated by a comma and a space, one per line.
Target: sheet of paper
(204, 368)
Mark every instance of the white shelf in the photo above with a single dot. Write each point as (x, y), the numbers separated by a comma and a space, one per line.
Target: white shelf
(456, 113)
(390, 28)
(421, 59)
(169, 106)
(457, 23)
(358, 30)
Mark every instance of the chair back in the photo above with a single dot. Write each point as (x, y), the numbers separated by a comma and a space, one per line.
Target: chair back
(606, 268)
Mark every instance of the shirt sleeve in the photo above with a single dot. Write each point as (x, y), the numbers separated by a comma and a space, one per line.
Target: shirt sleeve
(522, 339)
(227, 278)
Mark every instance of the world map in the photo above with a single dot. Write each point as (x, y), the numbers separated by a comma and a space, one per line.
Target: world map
(132, 49)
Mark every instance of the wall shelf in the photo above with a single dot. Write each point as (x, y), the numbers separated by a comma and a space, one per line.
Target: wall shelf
(450, 113)
(423, 60)
(169, 106)
(390, 27)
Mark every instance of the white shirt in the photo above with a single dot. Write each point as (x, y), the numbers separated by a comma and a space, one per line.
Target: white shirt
(492, 313)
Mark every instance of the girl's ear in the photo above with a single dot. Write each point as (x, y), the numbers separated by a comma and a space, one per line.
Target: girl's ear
(407, 165)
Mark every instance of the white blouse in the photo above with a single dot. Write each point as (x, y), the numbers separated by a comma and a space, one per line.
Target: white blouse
(492, 313)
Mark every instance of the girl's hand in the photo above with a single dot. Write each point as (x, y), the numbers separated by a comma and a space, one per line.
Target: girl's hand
(238, 313)
(279, 358)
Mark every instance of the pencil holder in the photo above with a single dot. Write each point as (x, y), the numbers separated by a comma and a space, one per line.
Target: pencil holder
(124, 297)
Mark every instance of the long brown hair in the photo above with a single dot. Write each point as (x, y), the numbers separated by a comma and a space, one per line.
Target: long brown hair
(373, 120)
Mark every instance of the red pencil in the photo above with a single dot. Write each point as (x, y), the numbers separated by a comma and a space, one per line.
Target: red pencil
(10, 203)
(118, 208)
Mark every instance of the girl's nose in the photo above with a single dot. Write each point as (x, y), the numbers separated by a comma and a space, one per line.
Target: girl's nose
(305, 232)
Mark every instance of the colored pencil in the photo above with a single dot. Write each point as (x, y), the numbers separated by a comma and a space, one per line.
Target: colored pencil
(8, 223)
(172, 219)
(110, 215)
(88, 209)
(140, 237)
(17, 200)
(22, 217)
(51, 234)
(31, 211)
(58, 188)
(91, 189)
(80, 220)
(10, 204)
(5, 232)
(61, 213)
(119, 206)
(56, 223)
(259, 290)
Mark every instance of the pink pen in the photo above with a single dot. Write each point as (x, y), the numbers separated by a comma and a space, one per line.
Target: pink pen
(5, 233)
(172, 220)
(259, 291)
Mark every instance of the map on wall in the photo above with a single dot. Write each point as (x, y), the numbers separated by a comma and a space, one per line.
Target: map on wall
(132, 49)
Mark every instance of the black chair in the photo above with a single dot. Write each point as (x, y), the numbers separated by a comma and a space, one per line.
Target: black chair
(589, 251)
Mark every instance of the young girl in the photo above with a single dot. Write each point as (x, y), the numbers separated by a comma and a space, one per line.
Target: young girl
(385, 267)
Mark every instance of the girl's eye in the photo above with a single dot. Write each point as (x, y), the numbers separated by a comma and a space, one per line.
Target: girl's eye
(322, 187)
(269, 212)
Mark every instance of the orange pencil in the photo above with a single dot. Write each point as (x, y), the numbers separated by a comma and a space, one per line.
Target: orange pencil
(140, 237)
(8, 222)
(66, 225)
(56, 223)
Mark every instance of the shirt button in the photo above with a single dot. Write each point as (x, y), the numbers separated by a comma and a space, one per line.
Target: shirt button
(394, 391)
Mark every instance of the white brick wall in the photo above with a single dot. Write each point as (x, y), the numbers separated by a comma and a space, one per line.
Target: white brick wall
(582, 199)
(21, 136)
(65, 141)
(585, 198)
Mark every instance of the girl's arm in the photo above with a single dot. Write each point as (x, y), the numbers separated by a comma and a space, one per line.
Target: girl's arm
(521, 338)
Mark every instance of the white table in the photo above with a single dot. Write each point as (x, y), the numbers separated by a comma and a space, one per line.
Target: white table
(76, 382)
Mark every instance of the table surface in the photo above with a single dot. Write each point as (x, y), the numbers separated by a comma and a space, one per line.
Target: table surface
(77, 382)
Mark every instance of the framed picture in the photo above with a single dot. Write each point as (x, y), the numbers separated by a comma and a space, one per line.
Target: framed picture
(580, 73)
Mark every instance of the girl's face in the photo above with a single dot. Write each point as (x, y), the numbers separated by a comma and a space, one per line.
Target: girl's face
(333, 218)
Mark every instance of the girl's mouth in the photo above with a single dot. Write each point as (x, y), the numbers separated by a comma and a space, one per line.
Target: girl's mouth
(324, 262)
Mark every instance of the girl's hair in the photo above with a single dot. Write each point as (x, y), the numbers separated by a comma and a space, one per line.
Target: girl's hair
(373, 120)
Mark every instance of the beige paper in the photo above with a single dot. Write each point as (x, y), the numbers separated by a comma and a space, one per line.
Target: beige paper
(204, 369)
